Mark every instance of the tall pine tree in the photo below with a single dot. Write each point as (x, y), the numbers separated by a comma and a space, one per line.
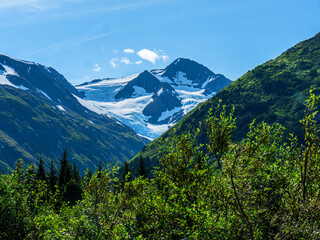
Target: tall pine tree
(75, 174)
(52, 178)
(100, 168)
(141, 170)
(41, 172)
(126, 174)
(64, 174)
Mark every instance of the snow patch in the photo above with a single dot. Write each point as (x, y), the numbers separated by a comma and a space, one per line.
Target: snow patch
(43, 93)
(169, 113)
(61, 108)
(157, 130)
(185, 92)
(110, 82)
(181, 79)
(165, 79)
(48, 70)
(151, 139)
(138, 91)
(105, 90)
(160, 92)
(23, 87)
(5, 81)
(210, 79)
(9, 71)
(91, 105)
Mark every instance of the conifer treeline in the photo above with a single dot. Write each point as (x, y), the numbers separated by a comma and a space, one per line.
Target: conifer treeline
(69, 182)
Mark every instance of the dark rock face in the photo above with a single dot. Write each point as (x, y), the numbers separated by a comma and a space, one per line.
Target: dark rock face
(145, 80)
(217, 84)
(164, 100)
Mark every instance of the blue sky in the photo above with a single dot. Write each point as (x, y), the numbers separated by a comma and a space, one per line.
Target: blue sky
(89, 39)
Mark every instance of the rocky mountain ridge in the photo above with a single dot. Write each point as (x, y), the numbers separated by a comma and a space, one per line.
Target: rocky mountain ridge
(152, 101)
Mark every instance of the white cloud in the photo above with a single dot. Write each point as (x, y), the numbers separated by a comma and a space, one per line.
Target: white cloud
(128, 50)
(115, 51)
(148, 55)
(138, 62)
(96, 68)
(165, 58)
(125, 60)
(114, 62)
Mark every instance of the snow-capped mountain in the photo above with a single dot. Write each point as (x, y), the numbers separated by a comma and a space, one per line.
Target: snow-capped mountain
(41, 113)
(152, 101)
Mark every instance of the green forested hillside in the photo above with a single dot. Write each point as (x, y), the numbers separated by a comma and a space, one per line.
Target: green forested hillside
(40, 115)
(273, 92)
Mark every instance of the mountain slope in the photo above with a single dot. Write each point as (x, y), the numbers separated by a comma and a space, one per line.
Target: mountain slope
(152, 101)
(273, 92)
(41, 113)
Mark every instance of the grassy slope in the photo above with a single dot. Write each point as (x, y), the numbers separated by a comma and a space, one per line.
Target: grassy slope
(273, 92)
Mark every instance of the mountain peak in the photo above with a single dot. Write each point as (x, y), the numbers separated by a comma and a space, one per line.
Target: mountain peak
(145, 80)
(182, 62)
(145, 73)
(190, 69)
(154, 100)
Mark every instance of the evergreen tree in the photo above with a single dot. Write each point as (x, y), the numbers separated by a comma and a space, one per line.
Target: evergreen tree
(75, 174)
(69, 181)
(88, 176)
(41, 172)
(100, 168)
(126, 174)
(52, 178)
(126, 171)
(72, 192)
(64, 174)
(142, 171)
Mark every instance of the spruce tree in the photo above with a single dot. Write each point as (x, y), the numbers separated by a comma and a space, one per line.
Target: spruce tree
(126, 174)
(88, 176)
(64, 174)
(41, 172)
(72, 191)
(100, 168)
(142, 171)
(75, 174)
(126, 170)
(52, 178)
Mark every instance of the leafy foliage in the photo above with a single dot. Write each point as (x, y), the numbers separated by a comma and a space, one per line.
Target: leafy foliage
(261, 187)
